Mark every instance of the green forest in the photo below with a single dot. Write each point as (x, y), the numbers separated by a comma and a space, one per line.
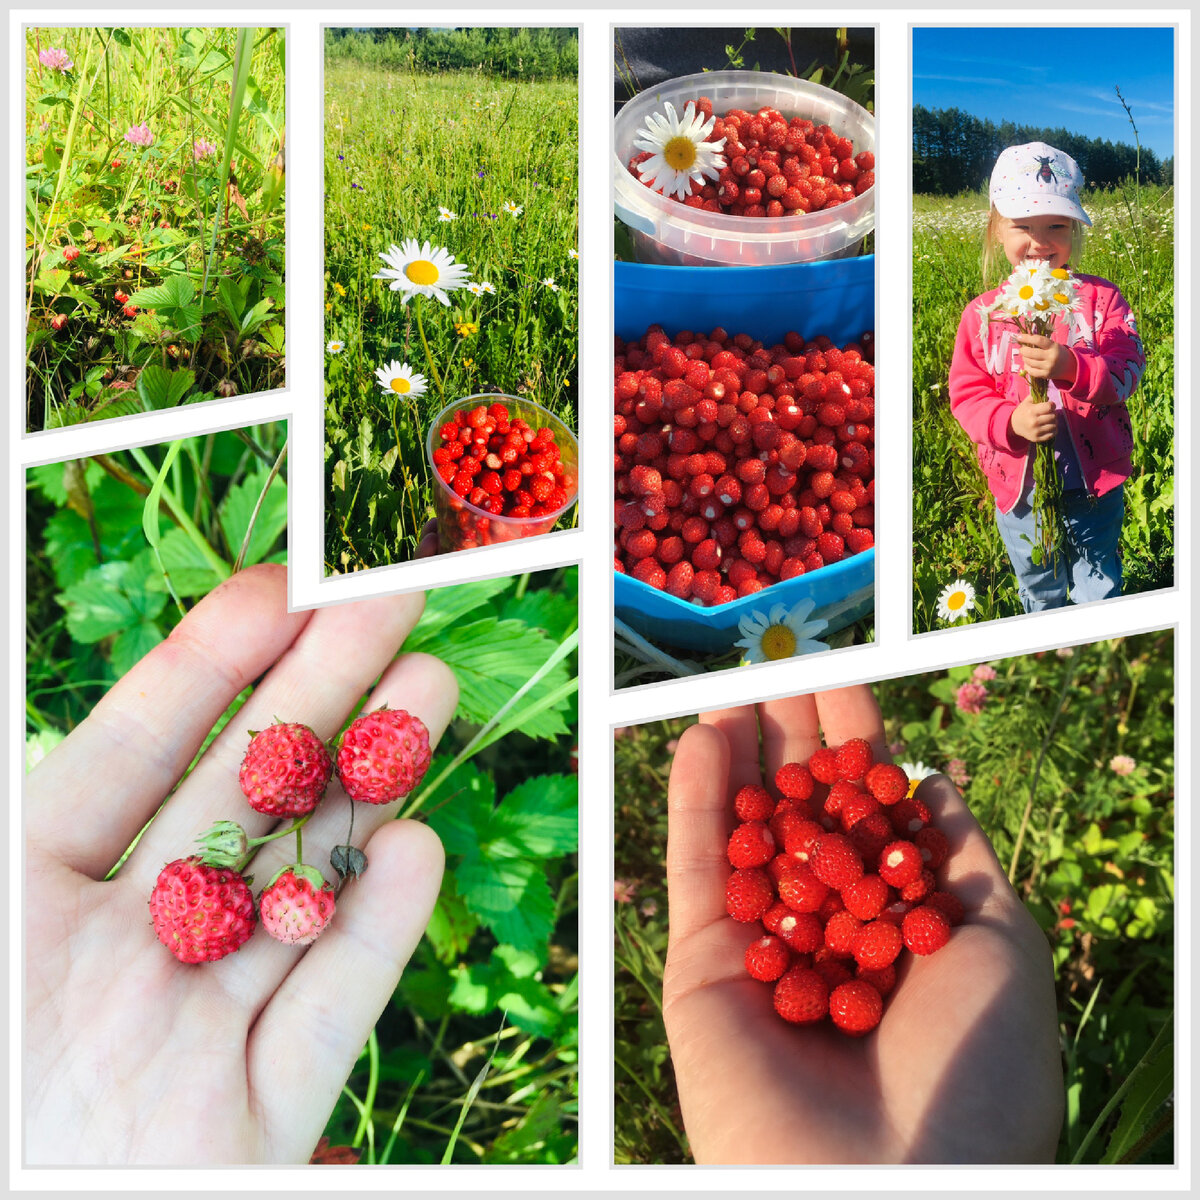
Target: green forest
(543, 53)
(954, 151)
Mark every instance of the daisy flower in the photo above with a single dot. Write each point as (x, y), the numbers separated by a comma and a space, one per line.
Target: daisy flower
(781, 633)
(335, 346)
(486, 289)
(400, 378)
(955, 600)
(549, 283)
(679, 152)
(572, 253)
(917, 770)
(444, 214)
(512, 209)
(419, 269)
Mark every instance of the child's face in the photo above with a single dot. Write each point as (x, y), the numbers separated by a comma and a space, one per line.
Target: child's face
(1044, 237)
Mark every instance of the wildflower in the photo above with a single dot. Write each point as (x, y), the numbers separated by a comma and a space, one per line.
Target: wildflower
(572, 253)
(444, 214)
(781, 633)
(202, 148)
(1065, 652)
(956, 769)
(649, 908)
(955, 600)
(1122, 764)
(468, 363)
(549, 283)
(465, 328)
(335, 347)
(679, 150)
(422, 270)
(139, 135)
(970, 698)
(481, 288)
(984, 673)
(55, 59)
(400, 378)
(623, 890)
(917, 770)
(512, 209)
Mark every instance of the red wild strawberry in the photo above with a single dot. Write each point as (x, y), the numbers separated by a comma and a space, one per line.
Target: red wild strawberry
(900, 863)
(767, 959)
(855, 1007)
(748, 893)
(296, 905)
(933, 845)
(925, 929)
(948, 904)
(882, 979)
(802, 932)
(867, 898)
(795, 781)
(750, 845)
(801, 996)
(201, 913)
(908, 815)
(383, 755)
(854, 758)
(801, 890)
(285, 770)
(887, 783)
(839, 933)
(836, 862)
(877, 944)
(753, 803)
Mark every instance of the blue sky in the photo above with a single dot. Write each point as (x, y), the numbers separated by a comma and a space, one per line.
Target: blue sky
(1053, 77)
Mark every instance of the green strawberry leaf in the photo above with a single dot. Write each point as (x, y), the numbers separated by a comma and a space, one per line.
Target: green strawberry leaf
(512, 897)
(550, 612)
(160, 388)
(537, 819)
(451, 926)
(460, 806)
(479, 988)
(109, 599)
(270, 524)
(444, 605)
(192, 574)
(173, 303)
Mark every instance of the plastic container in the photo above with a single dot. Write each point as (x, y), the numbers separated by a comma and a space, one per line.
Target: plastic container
(463, 526)
(833, 298)
(667, 232)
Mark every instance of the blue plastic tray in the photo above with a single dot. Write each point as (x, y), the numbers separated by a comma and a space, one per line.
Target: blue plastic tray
(835, 298)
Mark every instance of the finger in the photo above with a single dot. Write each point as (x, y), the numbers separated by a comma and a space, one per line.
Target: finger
(317, 681)
(740, 727)
(790, 731)
(90, 797)
(426, 688)
(427, 547)
(304, 1045)
(697, 830)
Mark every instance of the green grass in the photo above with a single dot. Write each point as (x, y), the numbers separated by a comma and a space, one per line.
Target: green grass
(1090, 852)
(202, 264)
(398, 146)
(1131, 243)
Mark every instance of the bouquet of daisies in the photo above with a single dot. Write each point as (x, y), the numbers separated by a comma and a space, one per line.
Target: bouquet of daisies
(1034, 297)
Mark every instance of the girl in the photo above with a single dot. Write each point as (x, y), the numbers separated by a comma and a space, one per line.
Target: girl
(1092, 364)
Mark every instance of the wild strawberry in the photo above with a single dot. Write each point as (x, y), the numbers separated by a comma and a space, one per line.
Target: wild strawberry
(908, 815)
(836, 862)
(748, 894)
(801, 996)
(800, 889)
(925, 929)
(201, 913)
(839, 933)
(753, 803)
(948, 904)
(750, 845)
(58, 321)
(887, 782)
(854, 758)
(877, 944)
(296, 905)
(919, 888)
(802, 931)
(866, 898)
(285, 770)
(933, 845)
(855, 1007)
(900, 863)
(882, 979)
(767, 959)
(383, 755)
(823, 765)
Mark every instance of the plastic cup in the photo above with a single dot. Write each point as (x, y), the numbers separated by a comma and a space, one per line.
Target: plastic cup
(463, 526)
(669, 233)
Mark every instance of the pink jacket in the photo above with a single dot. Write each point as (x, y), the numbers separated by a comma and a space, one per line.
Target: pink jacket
(985, 387)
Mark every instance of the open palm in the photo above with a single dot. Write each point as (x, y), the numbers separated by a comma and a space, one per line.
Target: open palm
(963, 1068)
(132, 1056)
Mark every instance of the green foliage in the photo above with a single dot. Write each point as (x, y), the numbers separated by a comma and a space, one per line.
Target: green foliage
(1088, 841)
(399, 145)
(1131, 243)
(143, 220)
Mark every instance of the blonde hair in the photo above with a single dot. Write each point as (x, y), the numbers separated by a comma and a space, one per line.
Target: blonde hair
(993, 265)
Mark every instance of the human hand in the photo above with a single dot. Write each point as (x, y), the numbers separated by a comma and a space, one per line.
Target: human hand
(1034, 421)
(963, 1068)
(1043, 358)
(427, 547)
(132, 1056)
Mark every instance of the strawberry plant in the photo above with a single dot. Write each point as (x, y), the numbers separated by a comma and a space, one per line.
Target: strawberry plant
(154, 255)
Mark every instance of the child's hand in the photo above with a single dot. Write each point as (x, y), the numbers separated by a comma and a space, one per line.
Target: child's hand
(1046, 359)
(1034, 422)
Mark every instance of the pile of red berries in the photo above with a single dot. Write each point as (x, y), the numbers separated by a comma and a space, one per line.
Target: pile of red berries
(501, 464)
(739, 466)
(776, 167)
(841, 872)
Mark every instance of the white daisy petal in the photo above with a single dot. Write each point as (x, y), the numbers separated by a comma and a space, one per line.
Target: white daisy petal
(955, 600)
(781, 633)
(679, 153)
(419, 269)
(399, 378)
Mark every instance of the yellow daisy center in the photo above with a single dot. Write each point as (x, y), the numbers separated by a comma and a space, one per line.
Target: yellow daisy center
(1042, 304)
(679, 153)
(421, 272)
(778, 641)
(1026, 292)
(913, 784)
(401, 385)
(1059, 273)
(1062, 297)
(956, 600)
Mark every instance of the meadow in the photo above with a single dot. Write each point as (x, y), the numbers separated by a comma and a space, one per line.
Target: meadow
(1131, 243)
(486, 168)
(154, 219)
(1066, 758)
(474, 1059)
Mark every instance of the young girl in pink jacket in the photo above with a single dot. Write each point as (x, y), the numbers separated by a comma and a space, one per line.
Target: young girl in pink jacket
(1092, 363)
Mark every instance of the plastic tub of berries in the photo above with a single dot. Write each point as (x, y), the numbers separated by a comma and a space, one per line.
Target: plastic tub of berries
(834, 299)
(485, 506)
(666, 231)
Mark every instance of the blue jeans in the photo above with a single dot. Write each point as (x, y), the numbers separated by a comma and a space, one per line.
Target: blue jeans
(1088, 566)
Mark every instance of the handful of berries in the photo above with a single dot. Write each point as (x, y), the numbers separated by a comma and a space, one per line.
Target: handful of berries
(776, 167)
(738, 466)
(841, 872)
(202, 908)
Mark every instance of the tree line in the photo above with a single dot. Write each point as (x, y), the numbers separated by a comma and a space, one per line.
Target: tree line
(954, 152)
(543, 53)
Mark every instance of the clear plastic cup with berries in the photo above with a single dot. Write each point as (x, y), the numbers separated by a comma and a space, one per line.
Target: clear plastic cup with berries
(503, 468)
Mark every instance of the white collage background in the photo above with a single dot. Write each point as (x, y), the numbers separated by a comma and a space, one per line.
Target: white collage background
(895, 653)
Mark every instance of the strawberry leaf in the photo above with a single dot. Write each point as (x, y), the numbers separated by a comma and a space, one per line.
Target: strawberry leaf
(507, 981)
(538, 819)
(511, 896)
(460, 808)
(452, 925)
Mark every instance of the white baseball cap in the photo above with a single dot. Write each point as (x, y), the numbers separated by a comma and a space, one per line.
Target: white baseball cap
(1036, 180)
